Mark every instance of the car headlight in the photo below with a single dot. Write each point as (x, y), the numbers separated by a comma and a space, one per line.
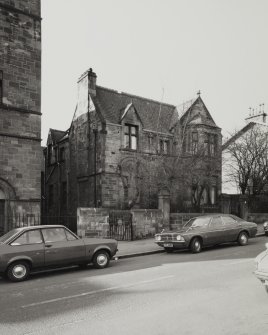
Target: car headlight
(158, 238)
(180, 238)
(265, 224)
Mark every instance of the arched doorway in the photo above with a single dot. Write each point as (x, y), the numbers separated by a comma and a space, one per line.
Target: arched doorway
(2, 212)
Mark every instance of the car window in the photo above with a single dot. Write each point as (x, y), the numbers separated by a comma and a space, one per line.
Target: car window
(228, 220)
(7, 236)
(216, 222)
(70, 237)
(54, 234)
(29, 237)
(198, 222)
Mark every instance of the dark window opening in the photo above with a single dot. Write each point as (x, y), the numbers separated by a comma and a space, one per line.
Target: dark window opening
(210, 144)
(50, 196)
(64, 194)
(62, 154)
(49, 154)
(1, 87)
(164, 147)
(194, 142)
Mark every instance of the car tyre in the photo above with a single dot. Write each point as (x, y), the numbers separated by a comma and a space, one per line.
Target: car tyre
(169, 250)
(101, 259)
(242, 238)
(18, 271)
(196, 245)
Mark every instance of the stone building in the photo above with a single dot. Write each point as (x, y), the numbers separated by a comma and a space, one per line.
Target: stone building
(20, 116)
(127, 151)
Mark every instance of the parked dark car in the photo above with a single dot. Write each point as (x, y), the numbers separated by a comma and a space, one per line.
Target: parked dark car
(207, 230)
(25, 249)
(265, 227)
(261, 264)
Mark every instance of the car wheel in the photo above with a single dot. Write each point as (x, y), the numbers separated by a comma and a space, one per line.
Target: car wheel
(169, 250)
(101, 259)
(242, 238)
(18, 271)
(196, 245)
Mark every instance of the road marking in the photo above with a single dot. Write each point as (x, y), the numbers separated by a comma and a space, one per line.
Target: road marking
(96, 291)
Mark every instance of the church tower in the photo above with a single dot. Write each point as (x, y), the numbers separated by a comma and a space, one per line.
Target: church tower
(20, 113)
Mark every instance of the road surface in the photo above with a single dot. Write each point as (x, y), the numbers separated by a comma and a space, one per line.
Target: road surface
(213, 292)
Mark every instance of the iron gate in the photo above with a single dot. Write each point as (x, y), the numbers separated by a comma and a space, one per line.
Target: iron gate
(120, 225)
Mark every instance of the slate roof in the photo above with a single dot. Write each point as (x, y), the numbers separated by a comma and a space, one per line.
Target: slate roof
(112, 105)
(56, 135)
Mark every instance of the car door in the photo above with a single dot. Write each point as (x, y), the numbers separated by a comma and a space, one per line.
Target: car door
(216, 231)
(62, 247)
(30, 245)
(231, 227)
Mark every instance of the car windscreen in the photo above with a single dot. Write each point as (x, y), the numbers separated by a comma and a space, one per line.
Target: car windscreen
(197, 222)
(7, 236)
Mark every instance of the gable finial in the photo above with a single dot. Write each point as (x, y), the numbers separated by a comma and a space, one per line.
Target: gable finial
(198, 93)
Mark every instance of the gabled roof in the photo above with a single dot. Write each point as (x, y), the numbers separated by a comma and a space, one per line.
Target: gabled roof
(56, 135)
(199, 118)
(242, 131)
(154, 115)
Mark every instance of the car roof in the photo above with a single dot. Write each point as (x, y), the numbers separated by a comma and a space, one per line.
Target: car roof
(40, 226)
(213, 215)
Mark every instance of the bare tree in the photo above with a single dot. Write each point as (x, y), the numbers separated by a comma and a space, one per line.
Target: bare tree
(246, 160)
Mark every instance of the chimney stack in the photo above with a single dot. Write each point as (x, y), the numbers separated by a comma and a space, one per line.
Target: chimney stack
(91, 78)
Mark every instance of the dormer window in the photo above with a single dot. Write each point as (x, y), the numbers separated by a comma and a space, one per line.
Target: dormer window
(131, 137)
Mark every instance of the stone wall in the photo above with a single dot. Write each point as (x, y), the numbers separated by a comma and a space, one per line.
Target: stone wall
(177, 220)
(146, 222)
(257, 217)
(92, 222)
(20, 105)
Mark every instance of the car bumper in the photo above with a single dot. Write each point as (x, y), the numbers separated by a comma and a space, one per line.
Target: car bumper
(262, 276)
(172, 244)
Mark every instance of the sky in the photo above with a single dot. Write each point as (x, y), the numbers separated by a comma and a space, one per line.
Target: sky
(166, 50)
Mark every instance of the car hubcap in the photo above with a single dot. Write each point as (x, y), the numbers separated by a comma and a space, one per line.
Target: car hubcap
(19, 271)
(243, 239)
(102, 260)
(197, 245)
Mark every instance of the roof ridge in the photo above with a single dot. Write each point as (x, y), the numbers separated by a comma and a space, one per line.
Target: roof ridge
(63, 131)
(136, 96)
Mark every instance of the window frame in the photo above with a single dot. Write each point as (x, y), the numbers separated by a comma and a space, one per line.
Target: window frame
(130, 135)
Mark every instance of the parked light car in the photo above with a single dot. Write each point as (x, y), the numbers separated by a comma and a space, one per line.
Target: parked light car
(28, 248)
(207, 230)
(265, 227)
(261, 264)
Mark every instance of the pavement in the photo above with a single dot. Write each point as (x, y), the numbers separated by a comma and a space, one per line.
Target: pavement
(127, 249)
